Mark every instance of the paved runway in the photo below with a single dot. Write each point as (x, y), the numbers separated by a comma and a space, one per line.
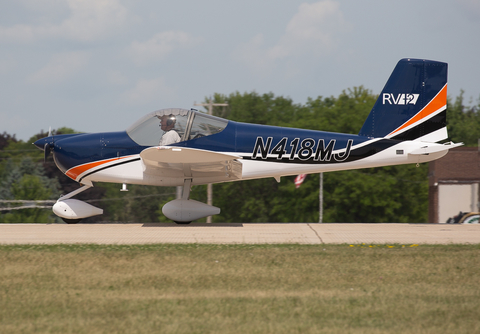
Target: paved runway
(231, 233)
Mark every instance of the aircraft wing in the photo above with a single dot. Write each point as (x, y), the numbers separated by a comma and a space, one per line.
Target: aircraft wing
(183, 162)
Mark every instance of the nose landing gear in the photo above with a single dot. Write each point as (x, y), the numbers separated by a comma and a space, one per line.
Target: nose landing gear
(73, 211)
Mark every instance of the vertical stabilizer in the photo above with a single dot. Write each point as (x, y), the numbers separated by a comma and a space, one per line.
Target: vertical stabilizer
(413, 103)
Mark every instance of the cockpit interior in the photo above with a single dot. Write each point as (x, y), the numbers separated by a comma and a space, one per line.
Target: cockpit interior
(189, 124)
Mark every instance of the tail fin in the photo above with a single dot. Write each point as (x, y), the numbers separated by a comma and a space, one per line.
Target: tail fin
(413, 103)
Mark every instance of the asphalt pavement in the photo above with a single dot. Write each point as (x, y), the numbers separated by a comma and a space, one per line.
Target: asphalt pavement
(240, 233)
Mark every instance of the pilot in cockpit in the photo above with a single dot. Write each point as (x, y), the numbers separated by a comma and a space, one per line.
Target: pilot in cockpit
(170, 136)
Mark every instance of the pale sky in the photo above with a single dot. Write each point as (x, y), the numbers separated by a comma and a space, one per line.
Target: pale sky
(99, 65)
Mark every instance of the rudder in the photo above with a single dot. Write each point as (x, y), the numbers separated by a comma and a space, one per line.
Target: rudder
(413, 103)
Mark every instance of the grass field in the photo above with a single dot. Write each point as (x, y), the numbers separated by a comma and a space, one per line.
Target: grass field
(240, 289)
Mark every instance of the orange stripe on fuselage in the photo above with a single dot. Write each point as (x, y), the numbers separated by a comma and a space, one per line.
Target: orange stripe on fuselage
(74, 172)
(438, 102)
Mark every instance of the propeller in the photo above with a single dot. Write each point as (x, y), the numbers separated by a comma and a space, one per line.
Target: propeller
(48, 147)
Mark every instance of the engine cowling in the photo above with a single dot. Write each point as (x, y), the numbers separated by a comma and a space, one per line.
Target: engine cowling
(183, 210)
(74, 209)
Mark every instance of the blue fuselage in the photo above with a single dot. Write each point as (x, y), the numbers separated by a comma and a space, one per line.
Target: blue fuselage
(255, 142)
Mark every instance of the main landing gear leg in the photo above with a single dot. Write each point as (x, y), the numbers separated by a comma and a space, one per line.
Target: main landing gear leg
(187, 186)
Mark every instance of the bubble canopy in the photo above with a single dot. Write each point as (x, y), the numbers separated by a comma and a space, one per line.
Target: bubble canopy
(189, 124)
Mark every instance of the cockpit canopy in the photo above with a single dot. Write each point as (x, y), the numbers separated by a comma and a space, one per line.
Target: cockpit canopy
(188, 124)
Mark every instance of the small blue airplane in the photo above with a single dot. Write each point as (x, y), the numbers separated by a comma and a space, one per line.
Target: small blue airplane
(180, 147)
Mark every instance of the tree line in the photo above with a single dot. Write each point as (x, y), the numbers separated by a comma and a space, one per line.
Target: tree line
(384, 194)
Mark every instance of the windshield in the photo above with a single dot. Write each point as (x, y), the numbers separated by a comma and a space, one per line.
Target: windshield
(206, 125)
(169, 126)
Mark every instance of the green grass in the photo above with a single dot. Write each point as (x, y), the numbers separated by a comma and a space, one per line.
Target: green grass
(240, 289)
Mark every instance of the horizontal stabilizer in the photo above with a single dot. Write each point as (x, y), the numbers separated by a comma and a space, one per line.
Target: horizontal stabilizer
(429, 148)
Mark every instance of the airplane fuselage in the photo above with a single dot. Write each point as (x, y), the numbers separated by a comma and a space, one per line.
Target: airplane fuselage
(180, 147)
(263, 151)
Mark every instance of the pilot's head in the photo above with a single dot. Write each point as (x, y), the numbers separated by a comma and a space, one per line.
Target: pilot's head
(167, 122)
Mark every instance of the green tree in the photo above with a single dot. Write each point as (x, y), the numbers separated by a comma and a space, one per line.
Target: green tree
(30, 187)
(140, 204)
(27, 181)
(251, 107)
(5, 139)
(463, 122)
(377, 195)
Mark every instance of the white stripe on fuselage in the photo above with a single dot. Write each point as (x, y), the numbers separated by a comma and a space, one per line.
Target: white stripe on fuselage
(391, 156)
(133, 172)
